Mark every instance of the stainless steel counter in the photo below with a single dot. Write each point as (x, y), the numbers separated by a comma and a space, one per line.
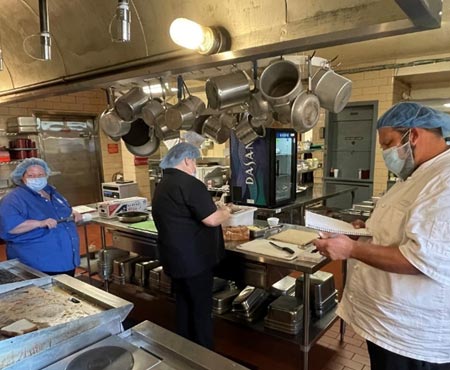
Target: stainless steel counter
(304, 199)
(309, 335)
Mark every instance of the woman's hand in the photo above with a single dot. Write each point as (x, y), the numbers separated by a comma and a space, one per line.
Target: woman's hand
(49, 222)
(77, 216)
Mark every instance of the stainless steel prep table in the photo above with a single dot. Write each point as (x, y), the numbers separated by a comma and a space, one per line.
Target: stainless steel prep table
(310, 196)
(310, 333)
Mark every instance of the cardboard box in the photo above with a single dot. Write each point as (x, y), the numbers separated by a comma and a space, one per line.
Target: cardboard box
(111, 208)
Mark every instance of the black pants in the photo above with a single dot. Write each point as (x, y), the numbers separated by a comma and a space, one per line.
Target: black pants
(194, 308)
(382, 359)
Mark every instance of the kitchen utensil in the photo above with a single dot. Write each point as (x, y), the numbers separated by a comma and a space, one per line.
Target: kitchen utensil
(132, 216)
(280, 83)
(183, 114)
(305, 110)
(286, 249)
(146, 149)
(246, 132)
(152, 109)
(228, 90)
(111, 124)
(260, 109)
(215, 130)
(130, 104)
(162, 131)
(332, 89)
(139, 133)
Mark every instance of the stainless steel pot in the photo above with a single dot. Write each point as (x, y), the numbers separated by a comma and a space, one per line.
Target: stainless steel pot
(111, 124)
(183, 114)
(162, 131)
(132, 216)
(305, 111)
(246, 132)
(260, 110)
(130, 104)
(332, 89)
(151, 110)
(215, 130)
(280, 83)
(228, 90)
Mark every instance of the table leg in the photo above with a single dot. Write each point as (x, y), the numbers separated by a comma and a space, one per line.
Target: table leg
(103, 241)
(344, 279)
(306, 316)
(88, 255)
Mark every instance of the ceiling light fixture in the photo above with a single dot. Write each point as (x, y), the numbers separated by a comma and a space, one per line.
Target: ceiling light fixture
(46, 41)
(447, 105)
(122, 21)
(204, 40)
(1, 59)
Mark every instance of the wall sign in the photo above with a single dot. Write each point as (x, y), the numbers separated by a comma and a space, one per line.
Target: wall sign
(140, 161)
(113, 148)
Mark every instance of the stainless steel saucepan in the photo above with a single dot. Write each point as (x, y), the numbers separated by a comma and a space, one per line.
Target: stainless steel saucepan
(110, 123)
(132, 216)
(333, 90)
(130, 104)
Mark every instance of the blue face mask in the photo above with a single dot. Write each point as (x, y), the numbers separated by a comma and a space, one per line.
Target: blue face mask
(36, 183)
(400, 160)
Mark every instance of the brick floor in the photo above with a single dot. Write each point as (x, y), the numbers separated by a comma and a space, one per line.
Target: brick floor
(349, 355)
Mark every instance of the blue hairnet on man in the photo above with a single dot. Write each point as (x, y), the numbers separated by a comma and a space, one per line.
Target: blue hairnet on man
(190, 240)
(411, 114)
(398, 295)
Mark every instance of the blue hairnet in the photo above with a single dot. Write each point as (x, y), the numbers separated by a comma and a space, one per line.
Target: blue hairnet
(410, 114)
(177, 153)
(17, 174)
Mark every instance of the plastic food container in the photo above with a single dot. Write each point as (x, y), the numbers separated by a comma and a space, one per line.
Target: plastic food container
(243, 216)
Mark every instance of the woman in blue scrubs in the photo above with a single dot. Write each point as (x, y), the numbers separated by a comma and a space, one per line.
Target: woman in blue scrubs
(29, 217)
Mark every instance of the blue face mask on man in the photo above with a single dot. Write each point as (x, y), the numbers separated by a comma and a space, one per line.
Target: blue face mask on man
(36, 183)
(400, 159)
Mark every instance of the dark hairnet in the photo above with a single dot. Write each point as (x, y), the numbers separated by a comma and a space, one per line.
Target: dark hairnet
(17, 174)
(411, 114)
(177, 153)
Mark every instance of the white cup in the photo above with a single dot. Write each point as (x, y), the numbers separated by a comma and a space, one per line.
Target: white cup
(273, 221)
(336, 172)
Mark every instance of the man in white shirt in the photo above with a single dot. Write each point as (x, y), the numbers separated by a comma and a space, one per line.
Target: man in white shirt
(397, 294)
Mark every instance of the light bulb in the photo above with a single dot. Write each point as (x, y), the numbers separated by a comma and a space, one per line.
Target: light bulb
(187, 33)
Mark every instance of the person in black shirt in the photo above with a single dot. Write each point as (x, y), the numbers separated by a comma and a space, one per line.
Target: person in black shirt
(190, 240)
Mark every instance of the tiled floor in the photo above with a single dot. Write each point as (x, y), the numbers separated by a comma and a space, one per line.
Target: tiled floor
(349, 355)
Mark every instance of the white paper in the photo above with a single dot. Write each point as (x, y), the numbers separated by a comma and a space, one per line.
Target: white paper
(332, 225)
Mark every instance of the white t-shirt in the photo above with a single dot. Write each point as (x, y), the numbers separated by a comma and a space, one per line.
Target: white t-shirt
(408, 314)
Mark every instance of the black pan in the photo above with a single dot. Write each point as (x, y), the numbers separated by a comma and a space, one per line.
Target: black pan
(132, 216)
(138, 134)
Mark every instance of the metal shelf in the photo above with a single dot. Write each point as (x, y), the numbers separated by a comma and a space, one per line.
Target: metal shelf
(11, 162)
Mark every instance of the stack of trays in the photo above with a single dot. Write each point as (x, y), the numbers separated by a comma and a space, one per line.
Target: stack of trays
(123, 268)
(222, 300)
(142, 271)
(285, 286)
(250, 305)
(158, 280)
(22, 125)
(285, 314)
(322, 292)
(105, 261)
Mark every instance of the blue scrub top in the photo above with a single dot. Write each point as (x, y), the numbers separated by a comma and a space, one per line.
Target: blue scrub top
(50, 250)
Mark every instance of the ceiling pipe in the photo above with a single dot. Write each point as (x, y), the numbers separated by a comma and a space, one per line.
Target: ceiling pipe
(45, 38)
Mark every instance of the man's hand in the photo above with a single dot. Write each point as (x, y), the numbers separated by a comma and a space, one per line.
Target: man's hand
(334, 246)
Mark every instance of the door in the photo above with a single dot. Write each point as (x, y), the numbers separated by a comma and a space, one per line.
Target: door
(70, 148)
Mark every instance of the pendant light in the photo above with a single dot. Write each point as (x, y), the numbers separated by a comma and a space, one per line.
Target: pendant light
(120, 24)
(45, 38)
(204, 40)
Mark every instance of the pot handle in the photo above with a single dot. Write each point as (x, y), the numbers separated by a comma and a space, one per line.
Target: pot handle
(252, 82)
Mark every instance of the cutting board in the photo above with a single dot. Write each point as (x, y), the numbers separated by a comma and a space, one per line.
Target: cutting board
(148, 225)
(262, 246)
(298, 237)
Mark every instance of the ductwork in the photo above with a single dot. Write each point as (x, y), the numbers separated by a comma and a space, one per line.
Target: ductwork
(84, 56)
